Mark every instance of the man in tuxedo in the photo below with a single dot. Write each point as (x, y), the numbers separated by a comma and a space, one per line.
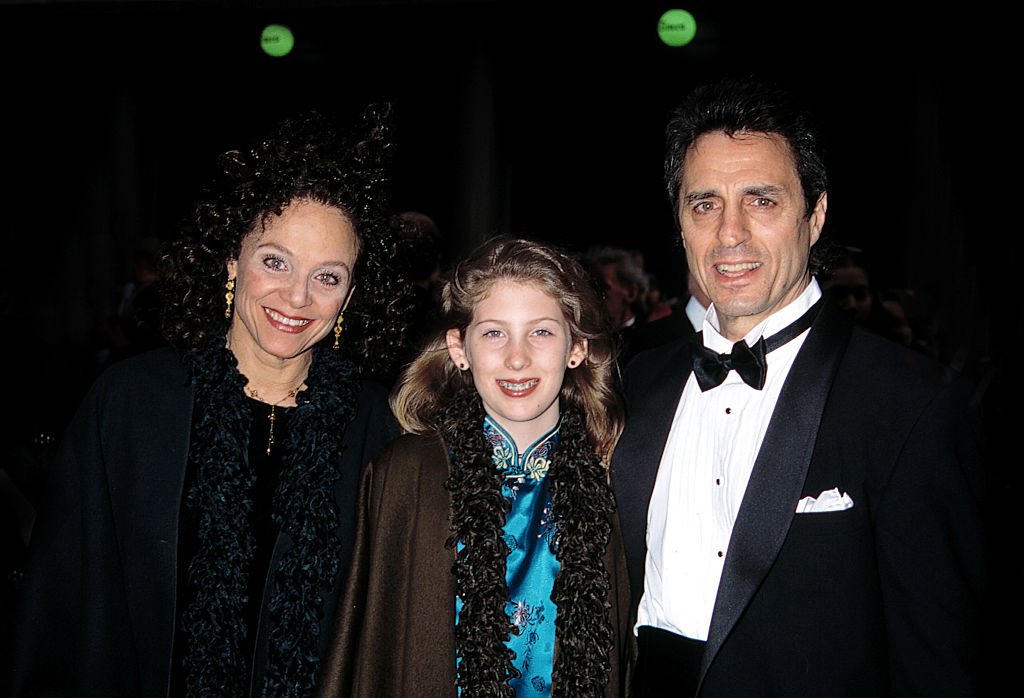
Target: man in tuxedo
(800, 499)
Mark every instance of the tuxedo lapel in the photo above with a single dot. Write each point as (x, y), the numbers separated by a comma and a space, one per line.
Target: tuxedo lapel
(654, 382)
(777, 479)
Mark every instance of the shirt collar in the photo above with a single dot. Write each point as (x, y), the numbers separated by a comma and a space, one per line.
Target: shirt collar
(714, 340)
(533, 462)
(695, 313)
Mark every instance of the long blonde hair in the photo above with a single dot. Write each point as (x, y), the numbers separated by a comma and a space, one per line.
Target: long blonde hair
(432, 379)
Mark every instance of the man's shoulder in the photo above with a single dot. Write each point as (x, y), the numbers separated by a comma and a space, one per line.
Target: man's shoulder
(662, 331)
(889, 386)
(871, 366)
(651, 364)
(870, 357)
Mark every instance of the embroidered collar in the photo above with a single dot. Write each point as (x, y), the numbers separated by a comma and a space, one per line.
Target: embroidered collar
(532, 463)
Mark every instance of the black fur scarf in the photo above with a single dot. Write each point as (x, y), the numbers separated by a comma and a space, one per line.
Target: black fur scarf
(303, 507)
(582, 504)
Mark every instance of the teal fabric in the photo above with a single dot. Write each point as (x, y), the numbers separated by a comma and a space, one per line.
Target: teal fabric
(532, 566)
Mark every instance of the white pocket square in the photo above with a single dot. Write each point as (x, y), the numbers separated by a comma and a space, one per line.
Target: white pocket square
(829, 500)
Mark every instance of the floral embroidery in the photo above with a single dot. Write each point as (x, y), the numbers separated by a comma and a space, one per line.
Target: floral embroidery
(520, 613)
(526, 618)
(533, 463)
(504, 453)
(537, 467)
(547, 525)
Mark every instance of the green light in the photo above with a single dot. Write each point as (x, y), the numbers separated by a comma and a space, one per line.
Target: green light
(277, 40)
(677, 28)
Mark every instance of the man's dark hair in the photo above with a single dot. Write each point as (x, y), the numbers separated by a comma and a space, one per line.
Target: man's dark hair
(748, 106)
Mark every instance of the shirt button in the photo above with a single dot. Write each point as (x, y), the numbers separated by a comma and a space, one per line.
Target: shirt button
(718, 481)
(720, 553)
(728, 410)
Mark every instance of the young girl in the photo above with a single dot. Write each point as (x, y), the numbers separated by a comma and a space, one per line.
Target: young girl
(488, 559)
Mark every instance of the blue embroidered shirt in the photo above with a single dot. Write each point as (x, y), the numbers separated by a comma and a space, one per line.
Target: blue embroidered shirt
(531, 567)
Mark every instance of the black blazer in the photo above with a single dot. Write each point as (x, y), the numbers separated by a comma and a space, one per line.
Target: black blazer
(648, 335)
(96, 609)
(880, 599)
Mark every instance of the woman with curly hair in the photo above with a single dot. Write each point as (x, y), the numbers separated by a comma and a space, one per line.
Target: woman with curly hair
(204, 502)
(488, 560)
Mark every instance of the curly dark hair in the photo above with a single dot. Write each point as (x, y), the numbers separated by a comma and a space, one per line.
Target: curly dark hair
(304, 159)
(739, 106)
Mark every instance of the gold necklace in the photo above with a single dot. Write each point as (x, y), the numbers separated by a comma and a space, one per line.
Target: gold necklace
(273, 416)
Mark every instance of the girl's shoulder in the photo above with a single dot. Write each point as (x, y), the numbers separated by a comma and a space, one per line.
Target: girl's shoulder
(407, 478)
(416, 454)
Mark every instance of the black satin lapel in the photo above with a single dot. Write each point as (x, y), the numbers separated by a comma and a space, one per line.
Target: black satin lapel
(776, 482)
(654, 383)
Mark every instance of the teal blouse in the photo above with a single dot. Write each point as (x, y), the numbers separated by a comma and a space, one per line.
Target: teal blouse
(531, 567)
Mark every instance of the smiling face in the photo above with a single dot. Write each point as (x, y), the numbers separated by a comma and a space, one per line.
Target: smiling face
(518, 346)
(744, 225)
(291, 281)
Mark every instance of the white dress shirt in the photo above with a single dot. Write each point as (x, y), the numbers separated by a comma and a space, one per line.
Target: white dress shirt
(695, 313)
(707, 461)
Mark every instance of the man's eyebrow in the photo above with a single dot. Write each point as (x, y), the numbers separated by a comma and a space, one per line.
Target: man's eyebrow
(771, 190)
(764, 190)
(695, 196)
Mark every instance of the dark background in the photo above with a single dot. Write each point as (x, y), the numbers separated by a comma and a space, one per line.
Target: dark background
(541, 119)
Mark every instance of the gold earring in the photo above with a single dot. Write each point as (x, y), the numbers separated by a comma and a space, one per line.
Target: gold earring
(229, 296)
(337, 329)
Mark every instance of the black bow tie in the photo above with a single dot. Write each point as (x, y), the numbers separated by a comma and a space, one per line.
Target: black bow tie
(710, 368)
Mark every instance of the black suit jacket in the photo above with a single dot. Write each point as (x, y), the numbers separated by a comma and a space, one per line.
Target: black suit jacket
(96, 610)
(879, 599)
(648, 335)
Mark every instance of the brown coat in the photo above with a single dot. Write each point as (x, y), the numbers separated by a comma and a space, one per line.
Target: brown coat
(395, 630)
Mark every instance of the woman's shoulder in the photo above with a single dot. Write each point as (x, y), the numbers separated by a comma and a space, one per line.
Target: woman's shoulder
(372, 391)
(158, 374)
(153, 364)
